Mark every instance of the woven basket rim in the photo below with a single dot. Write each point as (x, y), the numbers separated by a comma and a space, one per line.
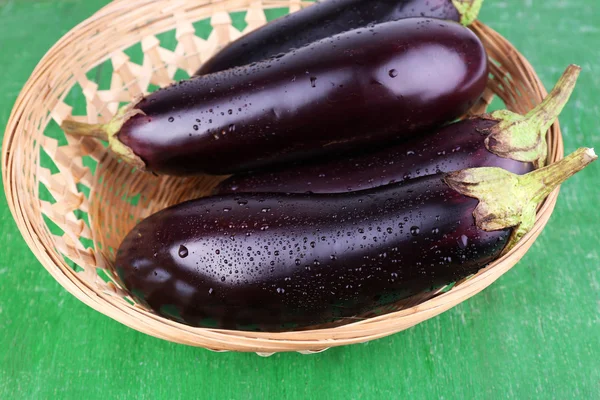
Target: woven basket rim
(24, 211)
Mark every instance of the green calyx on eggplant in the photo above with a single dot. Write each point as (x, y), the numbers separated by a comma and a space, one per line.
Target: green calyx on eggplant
(516, 203)
(329, 18)
(468, 10)
(356, 89)
(523, 137)
(109, 133)
(501, 139)
(276, 262)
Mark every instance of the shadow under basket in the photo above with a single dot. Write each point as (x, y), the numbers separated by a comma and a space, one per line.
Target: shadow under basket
(74, 203)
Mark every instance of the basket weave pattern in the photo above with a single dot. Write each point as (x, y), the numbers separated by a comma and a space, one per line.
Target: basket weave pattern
(74, 210)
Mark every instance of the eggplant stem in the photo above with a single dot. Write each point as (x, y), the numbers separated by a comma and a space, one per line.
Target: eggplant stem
(550, 108)
(507, 200)
(552, 176)
(109, 132)
(523, 138)
(75, 128)
(468, 10)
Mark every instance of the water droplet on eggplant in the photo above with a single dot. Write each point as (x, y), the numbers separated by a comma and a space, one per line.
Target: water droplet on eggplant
(183, 251)
(463, 241)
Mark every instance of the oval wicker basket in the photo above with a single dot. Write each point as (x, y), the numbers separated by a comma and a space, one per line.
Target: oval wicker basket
(74, 203)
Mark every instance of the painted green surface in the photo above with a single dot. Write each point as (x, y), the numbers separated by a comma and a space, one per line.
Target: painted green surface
(533, 334)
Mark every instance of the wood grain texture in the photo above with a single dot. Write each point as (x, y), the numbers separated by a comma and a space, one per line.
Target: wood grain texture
(533, 334)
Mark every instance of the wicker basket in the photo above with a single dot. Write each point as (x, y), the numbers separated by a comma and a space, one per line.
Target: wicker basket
(74, 203)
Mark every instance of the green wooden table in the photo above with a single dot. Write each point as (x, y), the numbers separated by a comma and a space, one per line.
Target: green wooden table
(534, 334)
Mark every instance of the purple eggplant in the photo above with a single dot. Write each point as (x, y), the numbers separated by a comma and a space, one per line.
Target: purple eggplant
(490, 140)
(276, 262)
(330, 18)
(361, 87)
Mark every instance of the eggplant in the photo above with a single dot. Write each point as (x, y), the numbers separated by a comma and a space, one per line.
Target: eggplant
(490, 140)
(276, 262)
(328, 18)
(361, 87)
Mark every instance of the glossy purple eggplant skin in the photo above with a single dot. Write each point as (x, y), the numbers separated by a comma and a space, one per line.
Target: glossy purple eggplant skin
(452, 148)
(355, 89)
(320, 21)
(275, 262)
